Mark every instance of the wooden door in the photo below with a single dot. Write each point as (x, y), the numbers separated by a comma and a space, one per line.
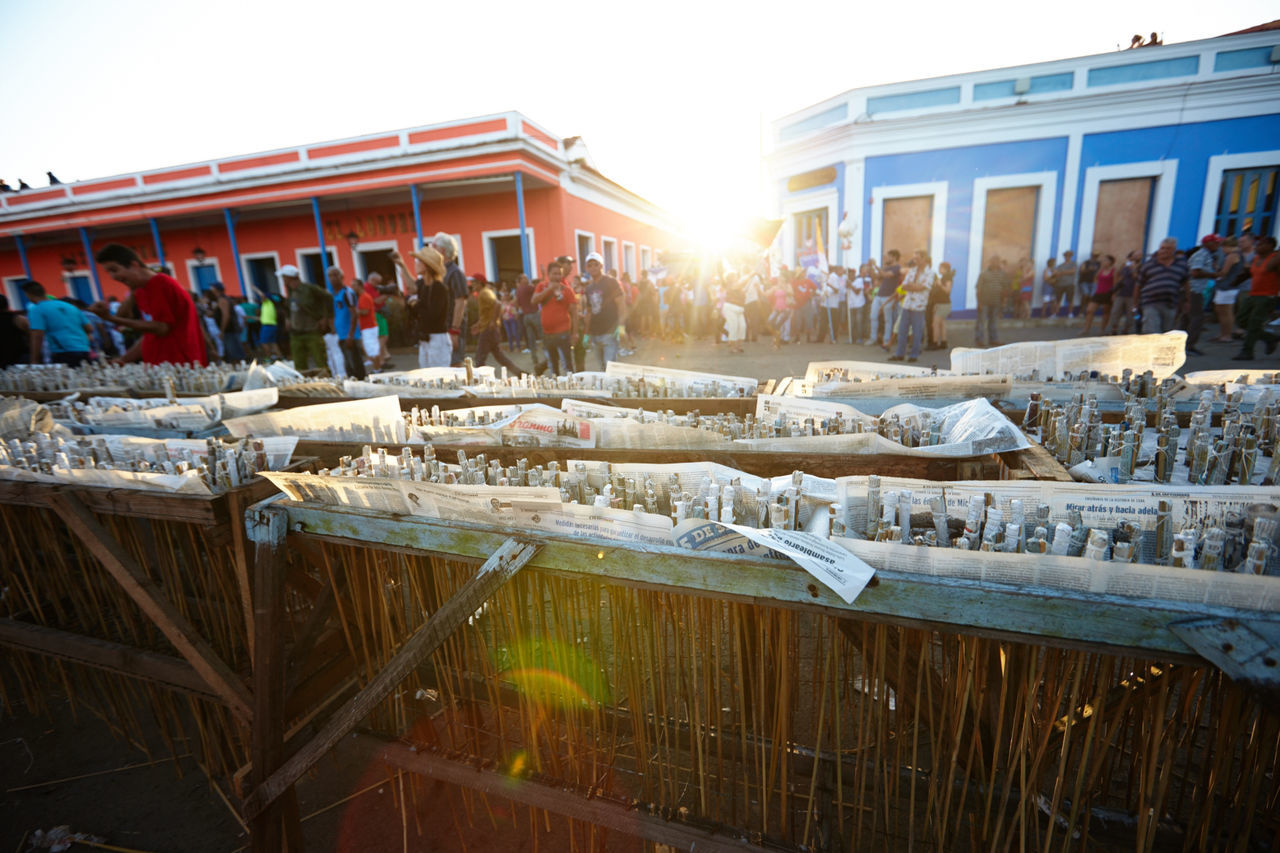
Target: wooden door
(1124, 211)
(908, 225)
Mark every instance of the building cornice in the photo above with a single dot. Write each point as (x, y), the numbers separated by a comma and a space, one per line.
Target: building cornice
(1193, 100)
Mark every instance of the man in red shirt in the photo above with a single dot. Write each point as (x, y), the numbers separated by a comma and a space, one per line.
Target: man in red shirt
(557, 306)
(170, 326)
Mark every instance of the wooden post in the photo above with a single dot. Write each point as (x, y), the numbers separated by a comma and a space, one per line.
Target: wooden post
(267, 527)
(510, 557)
(148, 596)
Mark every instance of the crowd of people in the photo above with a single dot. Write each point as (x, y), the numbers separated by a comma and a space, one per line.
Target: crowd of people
(571, 321)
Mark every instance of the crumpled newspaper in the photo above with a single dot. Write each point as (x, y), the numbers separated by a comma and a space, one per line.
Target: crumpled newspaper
(59, 838)
(21, 418)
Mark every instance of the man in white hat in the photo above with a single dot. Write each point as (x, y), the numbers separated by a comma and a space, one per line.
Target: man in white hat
(310, 316)
(606, 310)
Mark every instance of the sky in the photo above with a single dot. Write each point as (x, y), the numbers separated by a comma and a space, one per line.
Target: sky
(670, 97)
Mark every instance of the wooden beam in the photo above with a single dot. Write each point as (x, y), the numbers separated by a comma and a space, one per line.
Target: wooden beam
(149, 597)
(103, 654)
(266, 530)
(636, 822)
(509, 558)
(1062, 618)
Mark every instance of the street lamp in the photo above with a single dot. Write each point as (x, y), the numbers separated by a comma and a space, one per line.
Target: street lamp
(199, 255)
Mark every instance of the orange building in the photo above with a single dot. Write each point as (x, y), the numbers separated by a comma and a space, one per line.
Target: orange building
(514, 195)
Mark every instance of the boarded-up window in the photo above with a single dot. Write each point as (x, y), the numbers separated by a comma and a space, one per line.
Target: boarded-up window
(1010, 224)
(908, 224)
(1120, 225)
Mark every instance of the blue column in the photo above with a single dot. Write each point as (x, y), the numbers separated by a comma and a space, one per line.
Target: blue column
(93, 266)
(155, 238)
(22, 254)
(324, 252)
(417, 213)
(524, 235)
(235, 251)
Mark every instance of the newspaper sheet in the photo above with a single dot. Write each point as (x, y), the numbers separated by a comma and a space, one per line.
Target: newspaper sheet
(1161, 354)
(522, 507)
(972, 428)
(271, 375)
(21, 419)
(689, 383)
(1063, 392)
(1237, 376)
(751, 493)
(376, 420)
(772, 406)
(620, 433)
(184, 484)
(538, 425)
(600, 522)
(919, 388)
(1075, 574)
(1190, 506)
(838, 569)
(363, 390)
(631, 428)
(231, 404)
(818, 372)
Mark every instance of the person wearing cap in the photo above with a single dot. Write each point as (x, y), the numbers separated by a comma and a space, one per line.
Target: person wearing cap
(431, 304)
(172, 330)
(310, 317)
(486, 327)
(1204, 265)
(606, 310)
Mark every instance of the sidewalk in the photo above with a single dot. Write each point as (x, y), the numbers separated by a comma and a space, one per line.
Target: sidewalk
(761, 361)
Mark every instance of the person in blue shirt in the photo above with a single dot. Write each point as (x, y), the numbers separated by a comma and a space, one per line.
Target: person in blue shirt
(57, 323)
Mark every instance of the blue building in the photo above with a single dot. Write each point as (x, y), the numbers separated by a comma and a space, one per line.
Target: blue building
(1106, 153)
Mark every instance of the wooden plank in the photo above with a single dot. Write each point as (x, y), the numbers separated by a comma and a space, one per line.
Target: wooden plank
(195, 509)
(1037, 461)
(103, 654)
(621, 817)
(236, 505)
(680, 405)
(150, 599)
(1064, 618)
(506, 560)
(266, 529)
(757, 462)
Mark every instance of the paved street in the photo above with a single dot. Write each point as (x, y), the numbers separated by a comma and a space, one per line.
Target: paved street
(763, 362)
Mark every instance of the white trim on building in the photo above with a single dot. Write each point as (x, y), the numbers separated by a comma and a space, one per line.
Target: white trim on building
(609, 251)
(804, 202)
(11, 290)
(298, 254)
(245, 257)
(1213, 183)
(938, 225)
(1166, 174)
(357, 267)
(209, 261)
(1041, 241)
(486, 239)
